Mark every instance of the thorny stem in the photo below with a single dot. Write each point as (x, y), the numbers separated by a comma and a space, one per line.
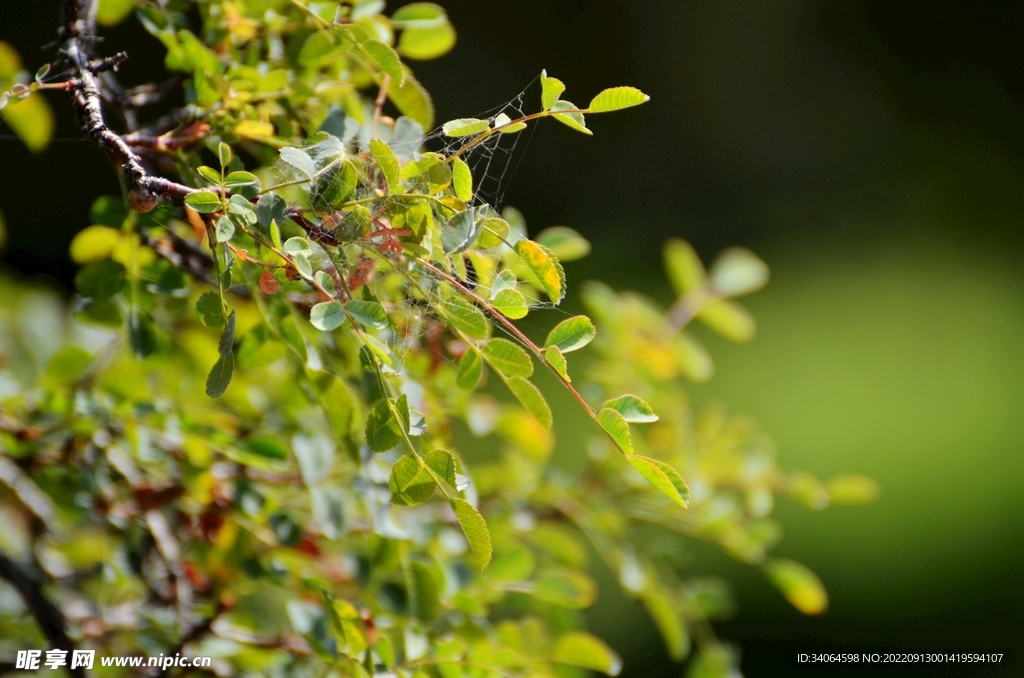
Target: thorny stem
(86, 95)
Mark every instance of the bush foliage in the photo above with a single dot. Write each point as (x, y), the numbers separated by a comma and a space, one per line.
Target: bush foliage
(243, 439)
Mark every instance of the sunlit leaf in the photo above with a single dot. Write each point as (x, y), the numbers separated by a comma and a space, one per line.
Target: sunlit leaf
(475, 529)
(511, 304)
(737, 271)
(663, 477)
(551, 89)
(545, 266)
(531, 398)
(464, 127)
(572, 117)
(615, 426)
(428, 42)
(203, 202)
(94, 243)
(586, 651)
(386, 58)
(462, 180)
(685, 270)
(632, 408)
(799, 585)
(566, 588)
(465, 317)
(327, 316)
(469, 371)
(556, 359)
(571, 334)
(729, 319)
(411, 484)
(508, 358)
(616, 98)
(388, 164)
(564, 242)
(367, 313)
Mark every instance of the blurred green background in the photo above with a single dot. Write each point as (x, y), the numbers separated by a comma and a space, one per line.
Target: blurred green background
(871, 152)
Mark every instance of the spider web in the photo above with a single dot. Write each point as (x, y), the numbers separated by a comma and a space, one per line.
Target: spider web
(493, 161)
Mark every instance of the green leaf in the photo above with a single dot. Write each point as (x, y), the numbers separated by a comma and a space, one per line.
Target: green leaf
(297, 245)
(470, 370)
(465, 317)
(419, 15)
(210, 174)
(573, 119)
(614, 424)
(460, 231)
(670, 626)
(244, 184)
(571, 334)
(411, 484)
(462, 180)
(386, 58)
(101, 280)
(426, 598)
(209, 310)
(227, 337)
(325, 281)
(578, 648)
(545, 266)
(493, 232)
(729, 319)
(203, 202)
(336, 185)
(94, 243)
(428, 42)
(557, 360)
(388, 164)
(475, 529)
(506, 280)
(566, 588)
(327, 316)
(442, 463)
(532, 399)
(224, 154)
(270, 207)
(663, 477)
(685, 270)
(737, 271)
(299, 159)
(632, 408)
(368, 313)
(551, 89)
(799, 585)
(413, 100)
(464, 127)
(511, 304)
(259, 349)
(220, 376)
(852, 488)
(225, 230)
(617, 98)
(67, 365)
(383, 431)
(269, 448)
(507, 358)
(564, 242)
